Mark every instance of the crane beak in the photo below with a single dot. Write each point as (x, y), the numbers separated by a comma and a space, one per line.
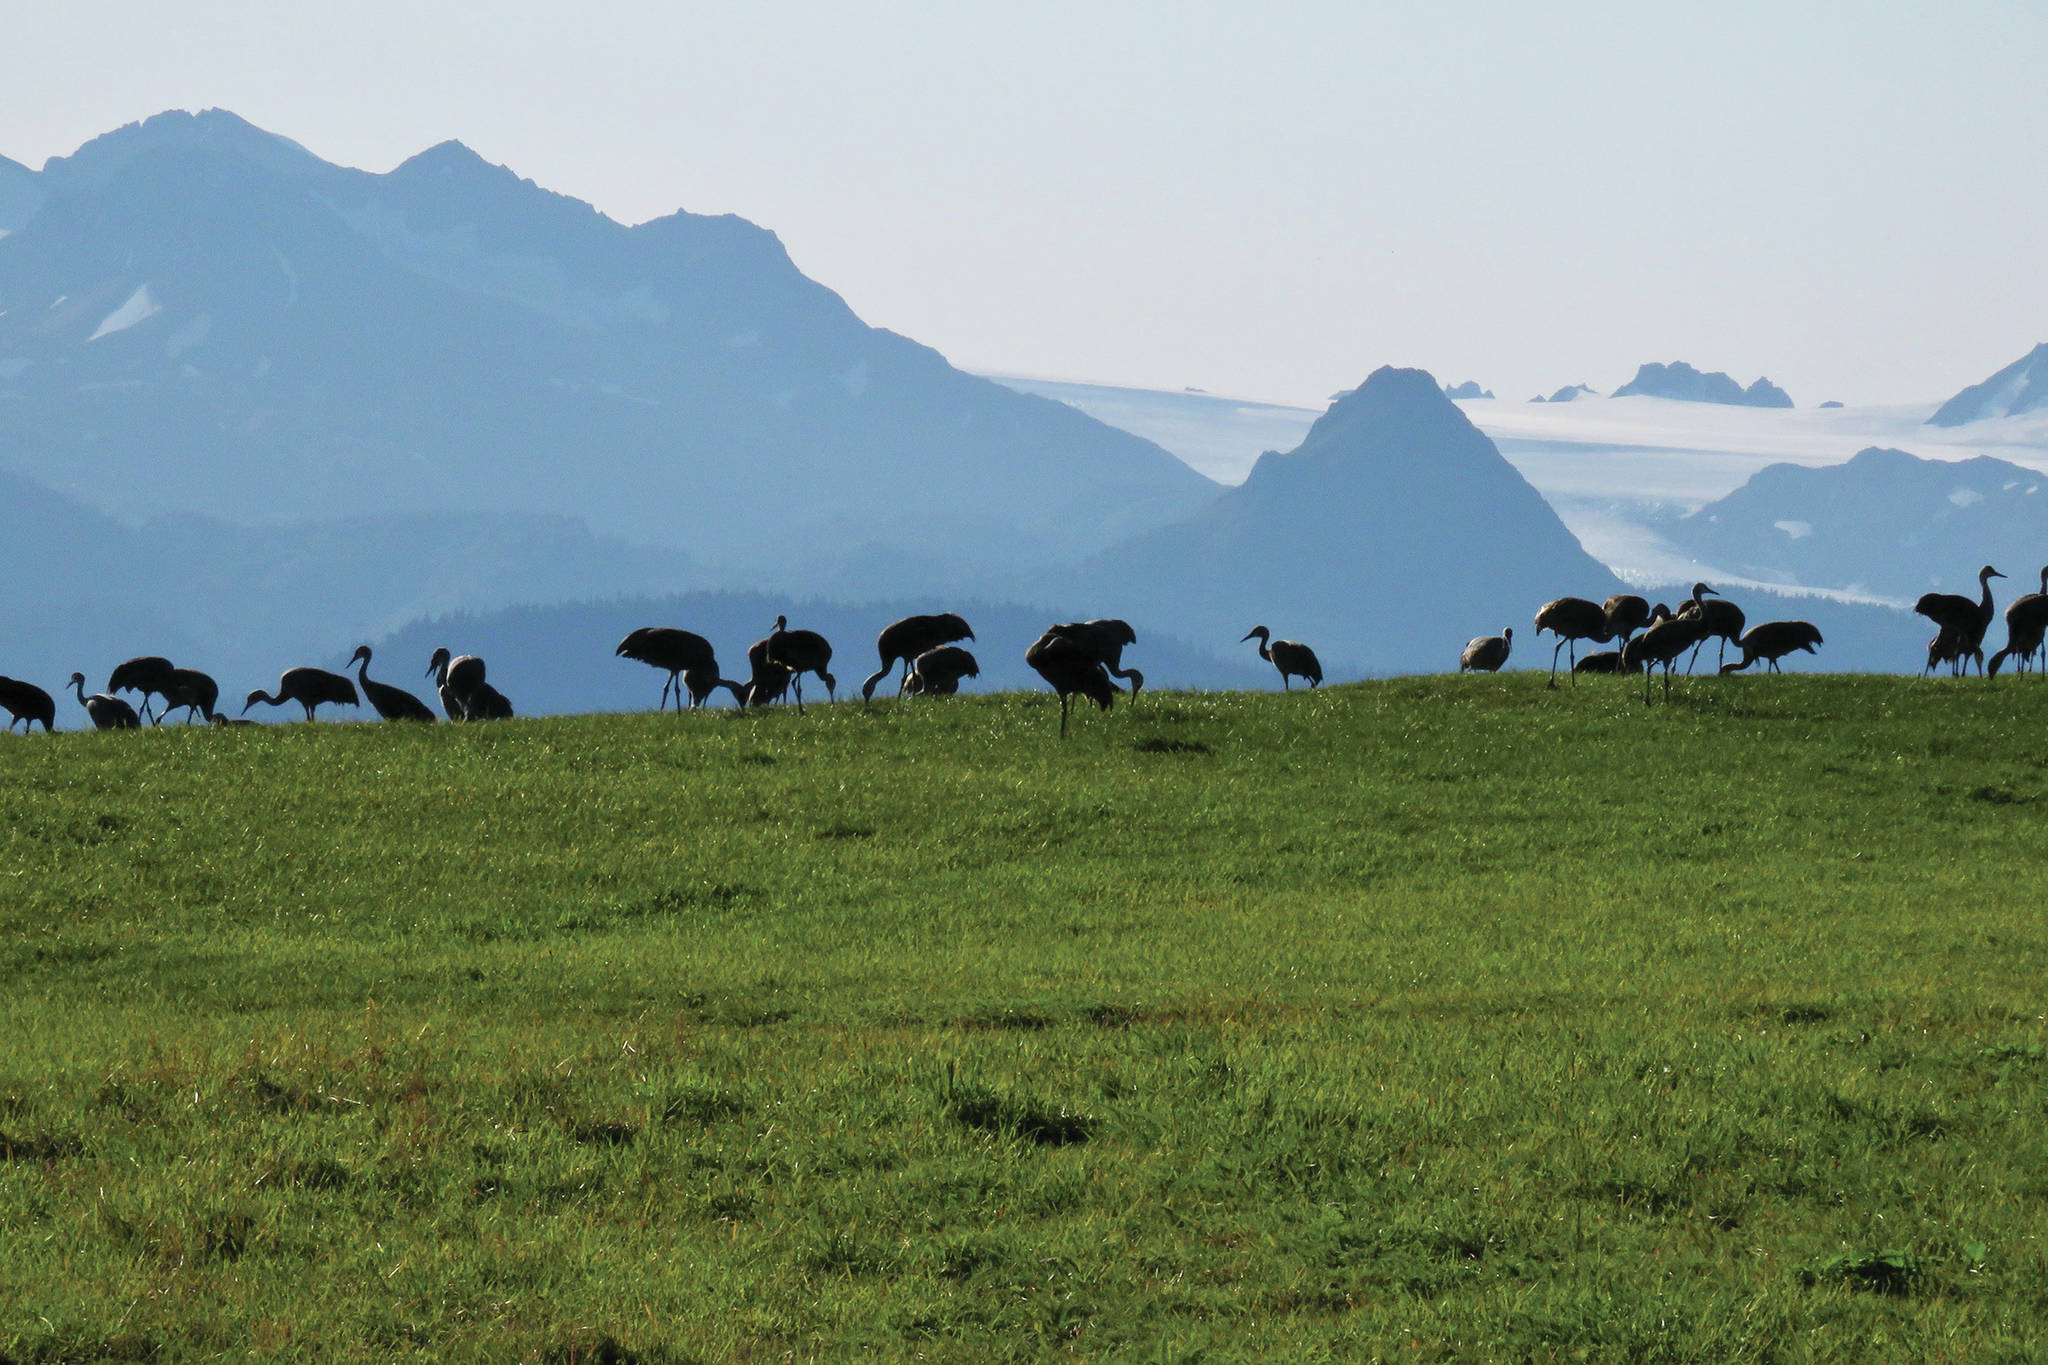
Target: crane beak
(1248, 635)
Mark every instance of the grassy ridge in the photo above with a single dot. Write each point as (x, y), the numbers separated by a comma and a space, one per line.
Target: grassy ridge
(1440, 1018)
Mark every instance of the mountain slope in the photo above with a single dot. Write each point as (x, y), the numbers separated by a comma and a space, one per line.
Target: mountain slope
(1886, 522)
(1393, 534)
(2018, 388)
(207, 318)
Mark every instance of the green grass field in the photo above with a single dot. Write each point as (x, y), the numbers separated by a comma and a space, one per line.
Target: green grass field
(1430, 1019)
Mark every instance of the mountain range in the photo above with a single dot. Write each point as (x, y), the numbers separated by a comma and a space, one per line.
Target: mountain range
(1887, 523)
(204, 317)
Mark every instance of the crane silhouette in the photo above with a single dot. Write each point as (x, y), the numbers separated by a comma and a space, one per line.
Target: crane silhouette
(801, 652)
(768, 681)
(1772, 641)
(1486, 653)
(27, 704)
(458, 678)
(1626, 614)
(309, 687)
(1662, 643)
(1071, 667)
(391, 703)
(149, 674)
(1105, 639)
(1962, 623)
(1293, 658)
(106, 712)
(937, 671)
(1572, 619)
(1720, 618)
(903, 641)
(2026, 624)
(688, 658)
(188, 689)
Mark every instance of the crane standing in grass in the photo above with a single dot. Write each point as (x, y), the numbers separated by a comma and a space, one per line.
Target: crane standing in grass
(1488, 653)
(390, 703)
(691, 663)
(1293, 658)
(1772, 641)
(801, 652)
(1662, 643)
(149, 674)
(1572, 619)
(903, 641)
(309, 687)
(1071, 666)
(2026, 625)
(1962, 624)
(27, 704)
(107, 712)
(937, 672)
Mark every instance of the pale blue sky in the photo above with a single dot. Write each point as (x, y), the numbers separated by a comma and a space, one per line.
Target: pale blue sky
(1272, 201)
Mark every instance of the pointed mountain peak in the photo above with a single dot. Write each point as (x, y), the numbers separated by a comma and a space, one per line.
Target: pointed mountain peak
(450, 158)
(96, 163)
(2020, 387)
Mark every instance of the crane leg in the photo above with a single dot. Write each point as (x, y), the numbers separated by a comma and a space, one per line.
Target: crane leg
(1553, 662)
(1063, 715)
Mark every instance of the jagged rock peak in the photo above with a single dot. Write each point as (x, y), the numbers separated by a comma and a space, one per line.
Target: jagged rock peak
(1681, 381)
(1469, 389)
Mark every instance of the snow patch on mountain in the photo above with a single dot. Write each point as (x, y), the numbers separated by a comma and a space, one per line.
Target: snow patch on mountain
(140, 307)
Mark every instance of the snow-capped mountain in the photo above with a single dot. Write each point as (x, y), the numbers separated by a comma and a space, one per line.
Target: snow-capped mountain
(2020, 387)
(1887, 523)
(204, 317)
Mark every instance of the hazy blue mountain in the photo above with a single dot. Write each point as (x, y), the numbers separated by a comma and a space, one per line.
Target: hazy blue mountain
(1681, 381)
(1886, 523)
(2020, 387)
(21, 194)
(1569, 393)
(1392, 535)
(244, 603)
(1469, 389)
(559, 658)
(207, 318)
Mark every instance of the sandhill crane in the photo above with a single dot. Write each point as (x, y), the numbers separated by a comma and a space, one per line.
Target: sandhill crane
(1662, 643)
(937, 671)
(1946, 647)
(2026, 625)
(1772, 641)
(27, 704)
(1070, 666)
(309, 687)
(701, 683)
(690, 661)
(1573, 619)
(1962, 620)
(1626, 614)
(1602, 661)
(457, 678)
(1293, 658)
(1718, 618)
(801, 652)
(1105, 639)
(768, 680)
(149, 674)
(106, 712)
(391, 703)
(1486, 653)
(187, 688)
(903, 641)
(488, 703)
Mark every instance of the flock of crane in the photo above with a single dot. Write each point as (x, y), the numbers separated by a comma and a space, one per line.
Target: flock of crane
(1082, 658)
